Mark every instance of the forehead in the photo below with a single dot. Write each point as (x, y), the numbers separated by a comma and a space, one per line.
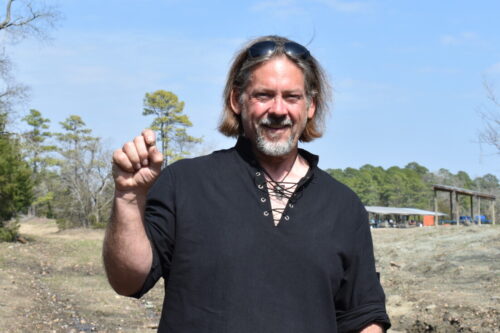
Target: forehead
(278, 72)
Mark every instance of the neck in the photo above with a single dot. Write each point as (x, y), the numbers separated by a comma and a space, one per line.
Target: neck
(278, 167)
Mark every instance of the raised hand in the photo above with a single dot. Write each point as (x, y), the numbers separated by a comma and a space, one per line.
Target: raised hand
(137, 164)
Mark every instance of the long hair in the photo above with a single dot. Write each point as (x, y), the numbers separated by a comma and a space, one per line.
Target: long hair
(317, 89)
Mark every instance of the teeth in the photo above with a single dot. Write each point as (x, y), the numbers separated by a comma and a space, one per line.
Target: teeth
(275, 127)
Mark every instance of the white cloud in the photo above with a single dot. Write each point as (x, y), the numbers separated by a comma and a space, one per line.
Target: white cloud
(458, 39)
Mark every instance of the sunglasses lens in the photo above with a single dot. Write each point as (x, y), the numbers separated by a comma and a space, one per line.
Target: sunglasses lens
(262, 48)
(296, 50)
(267, 47)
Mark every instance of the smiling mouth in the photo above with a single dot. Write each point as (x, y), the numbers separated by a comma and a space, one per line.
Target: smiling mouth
(275, 132)
(275, 128)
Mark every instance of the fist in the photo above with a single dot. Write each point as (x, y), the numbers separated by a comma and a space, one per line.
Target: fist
(137, 164)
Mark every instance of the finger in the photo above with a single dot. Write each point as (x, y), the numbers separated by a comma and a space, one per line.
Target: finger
(121, 161)
(142, 151)
(155, 158)
(149, 137)
(131, 152)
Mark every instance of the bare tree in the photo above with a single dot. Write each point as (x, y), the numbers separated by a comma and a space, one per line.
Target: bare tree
(24, 18)
(85, 176)
(10, 90)
(21, 19)
(490, 134)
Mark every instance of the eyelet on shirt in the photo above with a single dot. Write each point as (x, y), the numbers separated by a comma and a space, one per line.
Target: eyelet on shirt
(262, 199)
(287, 217)
(266, 213)
(257, 174)
(260, 186)
(290, 205)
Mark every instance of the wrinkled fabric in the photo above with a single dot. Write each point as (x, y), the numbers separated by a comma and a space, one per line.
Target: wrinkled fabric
(228, 268)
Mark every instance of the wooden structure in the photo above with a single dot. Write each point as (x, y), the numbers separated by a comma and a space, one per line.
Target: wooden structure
(403, 211)
(454, 203)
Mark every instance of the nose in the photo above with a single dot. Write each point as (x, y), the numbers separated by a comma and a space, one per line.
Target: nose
(278, 108)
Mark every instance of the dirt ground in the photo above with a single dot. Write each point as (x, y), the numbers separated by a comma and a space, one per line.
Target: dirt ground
(442, 279)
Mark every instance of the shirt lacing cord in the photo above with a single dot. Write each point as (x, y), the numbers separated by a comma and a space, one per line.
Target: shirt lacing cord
(279, 190)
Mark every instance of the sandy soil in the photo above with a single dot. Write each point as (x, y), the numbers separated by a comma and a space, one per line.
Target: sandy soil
(443, 279)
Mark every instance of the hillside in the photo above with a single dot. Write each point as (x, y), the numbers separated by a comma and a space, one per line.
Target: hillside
(436, 280)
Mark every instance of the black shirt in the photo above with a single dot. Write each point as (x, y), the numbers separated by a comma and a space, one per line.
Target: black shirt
(229, 269)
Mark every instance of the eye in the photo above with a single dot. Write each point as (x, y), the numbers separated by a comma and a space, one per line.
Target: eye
(293, 98)
(262, 96)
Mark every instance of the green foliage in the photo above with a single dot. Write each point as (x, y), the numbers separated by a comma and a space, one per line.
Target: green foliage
(63, 224)
(9, 232)
(170, 124)
(406, 188)
(366, 182)
(419, 169)
(487, 183)
(411, 186)
(37, 151)
(40, 156)
(3, 121)
(75, 138)
(15, 179)
(83, 186)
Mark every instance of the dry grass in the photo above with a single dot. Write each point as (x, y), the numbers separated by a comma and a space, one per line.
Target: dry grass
(436, 280)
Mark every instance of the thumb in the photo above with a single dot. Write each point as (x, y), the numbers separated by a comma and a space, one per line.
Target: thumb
(155, 158)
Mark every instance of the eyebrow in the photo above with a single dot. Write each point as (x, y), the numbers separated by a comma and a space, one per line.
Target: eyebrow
(267, 90)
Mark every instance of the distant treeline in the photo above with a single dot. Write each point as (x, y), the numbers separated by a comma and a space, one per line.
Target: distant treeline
(66, 175)
(411, 186)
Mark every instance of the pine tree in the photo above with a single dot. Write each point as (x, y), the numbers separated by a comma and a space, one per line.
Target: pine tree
(170, 123)
(84, 196)
(39, 155)
(15, 179)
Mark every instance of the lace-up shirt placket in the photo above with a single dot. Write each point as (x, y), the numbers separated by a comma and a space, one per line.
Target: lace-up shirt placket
(288, 195)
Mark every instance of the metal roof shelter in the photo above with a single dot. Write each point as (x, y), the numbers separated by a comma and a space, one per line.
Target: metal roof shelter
(454, 203)
(400, 211)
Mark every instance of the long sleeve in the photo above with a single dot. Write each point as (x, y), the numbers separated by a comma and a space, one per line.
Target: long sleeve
(159, 223)
(360, 300)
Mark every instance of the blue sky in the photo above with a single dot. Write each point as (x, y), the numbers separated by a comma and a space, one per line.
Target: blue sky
(407, 75)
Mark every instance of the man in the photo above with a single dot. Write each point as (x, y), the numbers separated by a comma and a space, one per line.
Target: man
(255, 238)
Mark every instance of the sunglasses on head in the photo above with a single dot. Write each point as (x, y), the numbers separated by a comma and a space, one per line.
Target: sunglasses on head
(267, 47)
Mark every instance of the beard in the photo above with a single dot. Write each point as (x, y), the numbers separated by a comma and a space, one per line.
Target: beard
(275, 144)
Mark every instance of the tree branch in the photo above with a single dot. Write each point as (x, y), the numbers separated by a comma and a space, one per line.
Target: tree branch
(6, 22)
(490, 94)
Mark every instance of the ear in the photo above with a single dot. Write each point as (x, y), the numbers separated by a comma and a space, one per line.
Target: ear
(311, 110)
(235, 104)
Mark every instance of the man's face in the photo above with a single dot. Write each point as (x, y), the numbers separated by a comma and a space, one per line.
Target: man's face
(274, 109)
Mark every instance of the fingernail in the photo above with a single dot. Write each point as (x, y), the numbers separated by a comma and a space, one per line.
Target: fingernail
(138, 166)
(145, 162)
(150, 139)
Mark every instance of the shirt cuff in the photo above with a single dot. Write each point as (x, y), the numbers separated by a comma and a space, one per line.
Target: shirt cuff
(356, 319)
(153, 276)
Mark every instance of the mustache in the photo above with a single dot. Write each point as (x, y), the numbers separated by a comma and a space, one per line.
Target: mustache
(274, 121)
